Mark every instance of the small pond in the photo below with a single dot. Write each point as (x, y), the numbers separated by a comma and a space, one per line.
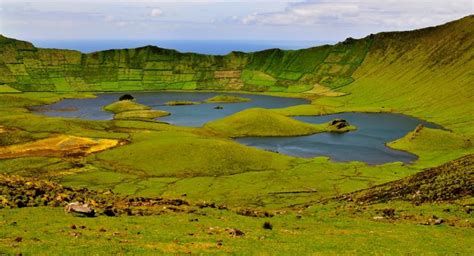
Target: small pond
(367, 144)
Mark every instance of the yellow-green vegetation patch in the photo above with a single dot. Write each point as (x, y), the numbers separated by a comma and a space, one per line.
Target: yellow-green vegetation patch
(181, 103)
(309, 180)
(62, 145)
(434, 146)
(141, 114)
(305, 110)
(263, 122)
(127, 109)
(125, 105)
(7, 89)
(182, 154)
(226, 99)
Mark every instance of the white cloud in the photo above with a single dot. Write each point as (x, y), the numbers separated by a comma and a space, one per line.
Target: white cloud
(399, 13)
(156, 12)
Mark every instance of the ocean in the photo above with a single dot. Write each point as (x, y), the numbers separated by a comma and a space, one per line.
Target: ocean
(215, 47)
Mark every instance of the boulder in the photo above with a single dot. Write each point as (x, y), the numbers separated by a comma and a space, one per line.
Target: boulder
(80, 209)
(340, 123)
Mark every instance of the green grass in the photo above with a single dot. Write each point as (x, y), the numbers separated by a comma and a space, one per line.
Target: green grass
(175, 234)
(125, 105)
(262, 122)
(226, 99)
(181, 103)
(130, 110)
(7, 89)
(434, 146)
(141, 114)
(181, 154)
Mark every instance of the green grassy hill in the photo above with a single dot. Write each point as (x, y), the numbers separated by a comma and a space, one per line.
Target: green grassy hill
(27, 68)
(427, 73)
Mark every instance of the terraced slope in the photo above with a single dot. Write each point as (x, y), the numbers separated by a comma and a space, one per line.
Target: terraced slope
(27, 68)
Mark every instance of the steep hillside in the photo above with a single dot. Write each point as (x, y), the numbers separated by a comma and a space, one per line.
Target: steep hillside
(449, 181)
(428, 73)
(28, 68)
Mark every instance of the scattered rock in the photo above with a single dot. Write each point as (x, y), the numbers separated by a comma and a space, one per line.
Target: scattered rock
(388, 212)
(340, 123)
(438, 222)
(81, 209)
(254, 213)
(218, 107)
(110, 211)
(378, 218)
(235, 232)
(267, 225)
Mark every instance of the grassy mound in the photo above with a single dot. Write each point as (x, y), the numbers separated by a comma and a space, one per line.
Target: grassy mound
(141, 114)
(449, 181)
(131, 110)
(226, 99)
(182, 154)
(125, 105)
(181, 103)
(262, 122)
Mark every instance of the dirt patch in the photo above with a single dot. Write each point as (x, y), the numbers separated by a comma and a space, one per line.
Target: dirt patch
(58, 146)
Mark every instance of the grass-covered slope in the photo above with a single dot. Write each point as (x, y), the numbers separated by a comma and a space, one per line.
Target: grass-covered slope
(449, 181)
(428, 73)
(27, 68)
(263, 122)
(127, 109)
(124, 106)
(434, 146)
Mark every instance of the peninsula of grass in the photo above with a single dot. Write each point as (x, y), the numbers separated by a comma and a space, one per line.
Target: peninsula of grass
(181, 103)
(141, 114)
(259, 122)
(226, 99)
(127, 109)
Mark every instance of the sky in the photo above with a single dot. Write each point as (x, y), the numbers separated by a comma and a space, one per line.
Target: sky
(290, 20)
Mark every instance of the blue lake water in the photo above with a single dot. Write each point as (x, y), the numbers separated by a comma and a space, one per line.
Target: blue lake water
(366, 144)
